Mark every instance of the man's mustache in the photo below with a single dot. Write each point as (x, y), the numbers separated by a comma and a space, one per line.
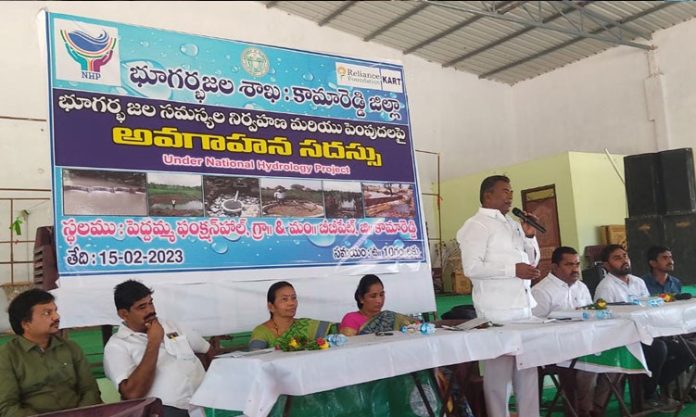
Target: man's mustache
(151, 316)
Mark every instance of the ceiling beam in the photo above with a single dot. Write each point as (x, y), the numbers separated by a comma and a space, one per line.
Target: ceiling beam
(541, 25)
(271, 4)
(504, 39)
(399, 19)
(601, 20)
(572, 41)
(342, 8)
(501, 9)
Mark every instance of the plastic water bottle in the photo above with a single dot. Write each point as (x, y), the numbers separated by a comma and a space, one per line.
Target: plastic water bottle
(427, 328)
(596, 315)
(336, 340)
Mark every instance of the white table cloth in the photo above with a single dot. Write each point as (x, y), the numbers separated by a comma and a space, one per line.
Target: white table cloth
(555, 342)
(254, 383)
(669, 319)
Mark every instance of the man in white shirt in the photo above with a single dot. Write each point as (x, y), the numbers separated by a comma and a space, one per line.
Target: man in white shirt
(618, 285)
(152, 358)
(562, 290)
(500, 256)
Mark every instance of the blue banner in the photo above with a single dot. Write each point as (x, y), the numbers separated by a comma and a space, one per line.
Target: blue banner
(177, 152)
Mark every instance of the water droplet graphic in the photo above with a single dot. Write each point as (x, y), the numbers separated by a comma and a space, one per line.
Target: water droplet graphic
(322, 241)
(272, 79)
(279, 60)
(308, 76)
(233, 237)
(228, 57)
(144, 44)
(369, 244)
(332, 85)
(189, 49)
(218, 72)
(186, 66)
(398, 243)
(272, 71)
(234, 68)
(219, 247)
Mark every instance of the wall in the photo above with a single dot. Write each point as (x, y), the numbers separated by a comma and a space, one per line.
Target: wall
(599, 195)
(677, 61)
(604, 101)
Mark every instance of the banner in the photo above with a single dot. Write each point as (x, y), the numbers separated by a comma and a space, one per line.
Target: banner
(176, 152)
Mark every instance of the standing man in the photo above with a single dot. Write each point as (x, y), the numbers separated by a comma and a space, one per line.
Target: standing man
(562, 290)
(40, 371)
(152, 358)
(659, 280)
(500, 256)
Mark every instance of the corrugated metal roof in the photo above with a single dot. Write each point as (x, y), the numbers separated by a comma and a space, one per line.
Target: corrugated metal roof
(506, 41)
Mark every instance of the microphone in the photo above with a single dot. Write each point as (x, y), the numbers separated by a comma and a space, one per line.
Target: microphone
(519, 213)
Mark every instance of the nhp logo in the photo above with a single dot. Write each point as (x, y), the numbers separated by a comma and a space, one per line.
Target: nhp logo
(86, 52)
(89, 51)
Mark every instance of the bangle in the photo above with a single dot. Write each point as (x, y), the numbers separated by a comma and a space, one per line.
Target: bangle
(530, 237)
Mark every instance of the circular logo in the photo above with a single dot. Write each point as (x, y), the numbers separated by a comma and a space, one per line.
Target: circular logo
(255, 62)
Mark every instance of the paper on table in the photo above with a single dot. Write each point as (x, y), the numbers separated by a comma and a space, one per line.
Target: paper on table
(242, 354)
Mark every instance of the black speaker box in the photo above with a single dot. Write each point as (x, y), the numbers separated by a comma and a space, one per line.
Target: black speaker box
(642, 233)
(680, 237)
(677, 178)
(643, 185)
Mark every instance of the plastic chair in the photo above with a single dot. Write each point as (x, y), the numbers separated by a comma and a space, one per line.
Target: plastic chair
(143, 407)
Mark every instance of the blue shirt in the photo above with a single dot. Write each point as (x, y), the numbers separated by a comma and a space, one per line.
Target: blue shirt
(673, 285)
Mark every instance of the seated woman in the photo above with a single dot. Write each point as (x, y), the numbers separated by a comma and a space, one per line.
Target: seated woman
(370, 318)
(282, 326)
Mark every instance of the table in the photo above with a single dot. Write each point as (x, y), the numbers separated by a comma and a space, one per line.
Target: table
(670, 319)
(254, 383)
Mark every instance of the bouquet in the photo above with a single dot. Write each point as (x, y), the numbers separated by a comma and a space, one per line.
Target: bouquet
(297, 343)
(600, 304)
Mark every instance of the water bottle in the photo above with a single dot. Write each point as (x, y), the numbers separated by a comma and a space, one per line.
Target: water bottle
(427, 328)
(596, 315)
(336, 340)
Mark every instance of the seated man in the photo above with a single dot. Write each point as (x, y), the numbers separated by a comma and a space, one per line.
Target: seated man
(659, 280)
(620, 286)
(562, 290)
(149, 358)
(40, 371)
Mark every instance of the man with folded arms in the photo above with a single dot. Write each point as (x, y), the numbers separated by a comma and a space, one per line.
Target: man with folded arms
(40, 371)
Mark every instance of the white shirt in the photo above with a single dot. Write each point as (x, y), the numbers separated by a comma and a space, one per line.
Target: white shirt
(178, 373)
(553, 294)
(491, 246)
(614, 290)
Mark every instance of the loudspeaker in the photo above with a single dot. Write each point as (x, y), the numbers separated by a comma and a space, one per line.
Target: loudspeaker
(680, 237)
(643, 185)
(678, 183)
(642, 233)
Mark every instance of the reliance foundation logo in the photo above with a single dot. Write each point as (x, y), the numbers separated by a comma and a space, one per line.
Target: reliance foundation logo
(91, 47)
(368, 77)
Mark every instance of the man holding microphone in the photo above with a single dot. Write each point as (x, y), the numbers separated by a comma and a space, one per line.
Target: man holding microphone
(500, 255)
